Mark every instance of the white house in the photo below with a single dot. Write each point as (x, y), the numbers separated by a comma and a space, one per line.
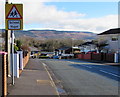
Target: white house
(87, 47)
(113, 39)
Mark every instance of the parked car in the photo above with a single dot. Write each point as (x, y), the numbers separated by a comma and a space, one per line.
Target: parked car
(44, 56)
(55, 57)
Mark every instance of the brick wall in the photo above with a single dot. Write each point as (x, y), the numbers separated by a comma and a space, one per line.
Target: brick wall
(3, 74)
(84, 56)
(87, 56)
(80, 56)
(97, 56)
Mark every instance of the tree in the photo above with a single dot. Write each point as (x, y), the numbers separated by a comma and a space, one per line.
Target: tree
(18, 44)
(100, 44)
(25, 48)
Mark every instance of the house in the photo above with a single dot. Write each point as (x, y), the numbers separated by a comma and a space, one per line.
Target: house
(63, 50)
(49, 54)
(67, 51)
(88, 47)
(76, 49)
(112, 37)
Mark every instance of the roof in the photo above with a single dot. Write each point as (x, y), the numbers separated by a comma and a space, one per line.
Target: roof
(33, 49)
(87, 43)
(47, 52)
(64, 48)
(111, 31)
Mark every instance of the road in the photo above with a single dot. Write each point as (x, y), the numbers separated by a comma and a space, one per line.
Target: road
(85, 78)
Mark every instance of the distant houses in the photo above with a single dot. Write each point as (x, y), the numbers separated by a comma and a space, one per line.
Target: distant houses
(109, 41)
(105, 48)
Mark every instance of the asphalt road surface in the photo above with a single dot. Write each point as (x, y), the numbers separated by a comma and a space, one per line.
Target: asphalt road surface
(85, 78)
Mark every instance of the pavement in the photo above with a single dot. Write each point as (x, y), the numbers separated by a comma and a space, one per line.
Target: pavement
(34, 80)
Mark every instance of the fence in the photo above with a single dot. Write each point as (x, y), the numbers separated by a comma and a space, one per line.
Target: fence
(3, 69)
(109, 57)
(97, 56)
(25, 58)
(20, 60)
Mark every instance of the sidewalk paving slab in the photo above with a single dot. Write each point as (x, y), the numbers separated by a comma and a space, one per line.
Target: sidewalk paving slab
(34, 80)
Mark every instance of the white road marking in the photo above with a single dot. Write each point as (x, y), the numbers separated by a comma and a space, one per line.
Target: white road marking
(85, 63)
(99, 70)
(52, 82)
(110, 73)
(44, 64)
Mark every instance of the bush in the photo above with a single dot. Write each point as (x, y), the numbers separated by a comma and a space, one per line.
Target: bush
(15, 48)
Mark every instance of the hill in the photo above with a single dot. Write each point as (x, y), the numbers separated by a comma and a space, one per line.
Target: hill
(54, 34)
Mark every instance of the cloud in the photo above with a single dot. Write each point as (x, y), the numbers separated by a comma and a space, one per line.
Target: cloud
(48, 16)
(51, 17)
(96, 25)
(40, 13)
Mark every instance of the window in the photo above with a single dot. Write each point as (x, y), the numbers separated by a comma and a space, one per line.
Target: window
(114, 39)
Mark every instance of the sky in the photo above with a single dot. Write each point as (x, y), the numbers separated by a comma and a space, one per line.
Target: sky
(70, 15)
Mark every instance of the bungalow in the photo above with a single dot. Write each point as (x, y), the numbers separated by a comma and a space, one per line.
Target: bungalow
(63, 50)
(87, 47)
(67, 51)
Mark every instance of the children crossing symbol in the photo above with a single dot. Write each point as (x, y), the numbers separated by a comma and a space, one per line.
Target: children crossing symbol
(14, 13)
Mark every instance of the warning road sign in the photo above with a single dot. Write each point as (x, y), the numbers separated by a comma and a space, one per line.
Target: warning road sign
(14, 16)
(14, 13)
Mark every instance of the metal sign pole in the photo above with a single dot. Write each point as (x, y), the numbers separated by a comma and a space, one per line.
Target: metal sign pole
(12, 57)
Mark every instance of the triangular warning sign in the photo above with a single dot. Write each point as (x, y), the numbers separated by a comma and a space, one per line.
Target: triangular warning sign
(14, 13)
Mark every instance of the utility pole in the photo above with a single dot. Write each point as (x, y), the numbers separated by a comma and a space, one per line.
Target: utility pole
(7, 47)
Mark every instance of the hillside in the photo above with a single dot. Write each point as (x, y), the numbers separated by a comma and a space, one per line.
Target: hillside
(54, 34)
